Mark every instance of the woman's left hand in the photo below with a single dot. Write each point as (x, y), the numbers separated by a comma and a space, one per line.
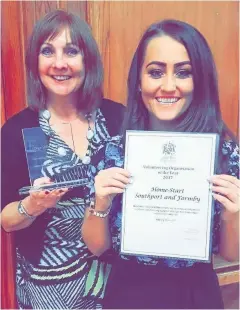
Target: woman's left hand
(226, 190)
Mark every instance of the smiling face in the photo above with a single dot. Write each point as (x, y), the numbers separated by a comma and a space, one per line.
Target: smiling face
(61, 66)
(166, 80)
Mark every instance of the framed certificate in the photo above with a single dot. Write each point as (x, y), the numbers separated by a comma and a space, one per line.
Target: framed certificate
(168, 209)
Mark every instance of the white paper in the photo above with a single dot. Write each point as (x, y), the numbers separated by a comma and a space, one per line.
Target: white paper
(167, 211)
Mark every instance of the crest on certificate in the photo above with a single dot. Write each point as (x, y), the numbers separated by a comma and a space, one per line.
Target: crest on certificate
(169, 151)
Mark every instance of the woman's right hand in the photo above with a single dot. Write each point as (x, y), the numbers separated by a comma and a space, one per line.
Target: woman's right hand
(109, 183)
(38, 202)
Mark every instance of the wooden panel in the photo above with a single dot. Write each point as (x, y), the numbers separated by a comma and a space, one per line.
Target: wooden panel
(8, 299)
(12, 58)
(3, 116)
(226, 278)
(227, 272)
(43, 7)
(98, 17)
(28, 20)
(76, 7)
(222, 265)
(118, 25)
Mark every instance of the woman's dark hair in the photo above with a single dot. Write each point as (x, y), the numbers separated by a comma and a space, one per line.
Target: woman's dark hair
(90, 93)
(203, 114)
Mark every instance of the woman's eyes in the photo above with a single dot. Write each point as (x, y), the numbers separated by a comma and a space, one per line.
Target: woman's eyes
(46, 51)
(70, 51)
(181, 74)
(156, 73)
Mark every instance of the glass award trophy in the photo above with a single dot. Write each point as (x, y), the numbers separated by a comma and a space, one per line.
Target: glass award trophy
(37, 149)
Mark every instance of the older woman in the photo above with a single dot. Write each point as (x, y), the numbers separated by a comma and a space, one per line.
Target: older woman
(55, 269)
(172, 86)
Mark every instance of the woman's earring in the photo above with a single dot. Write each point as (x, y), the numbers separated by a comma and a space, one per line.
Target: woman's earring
(139, 89)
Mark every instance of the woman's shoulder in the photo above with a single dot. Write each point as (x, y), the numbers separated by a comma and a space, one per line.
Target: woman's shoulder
(26, 118)
(110, 107)
(113, 113)
(230, 147)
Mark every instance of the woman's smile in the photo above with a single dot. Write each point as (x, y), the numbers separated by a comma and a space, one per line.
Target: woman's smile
(168, 101)
(61, 78)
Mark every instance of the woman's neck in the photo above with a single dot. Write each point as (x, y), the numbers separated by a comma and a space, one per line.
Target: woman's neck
(63, 108)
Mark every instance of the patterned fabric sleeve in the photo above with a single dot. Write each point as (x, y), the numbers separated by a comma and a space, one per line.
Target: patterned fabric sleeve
(230, 151)
(115, 223)
(114, 153)
(113, 158)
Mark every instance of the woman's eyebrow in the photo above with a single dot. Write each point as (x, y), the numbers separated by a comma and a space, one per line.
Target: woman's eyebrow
(163, 64)
(46, 43)
(67, 44)
(179, 64)
(158, 63)
(71, 44)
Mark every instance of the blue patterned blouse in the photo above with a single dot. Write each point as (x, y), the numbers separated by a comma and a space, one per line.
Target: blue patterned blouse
(230, 152)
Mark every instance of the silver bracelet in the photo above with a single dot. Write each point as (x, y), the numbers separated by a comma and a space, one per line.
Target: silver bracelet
(23, 211)
(101, 214)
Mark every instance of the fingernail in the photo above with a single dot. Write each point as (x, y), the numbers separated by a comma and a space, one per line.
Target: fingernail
(130, 181)
(46, 192)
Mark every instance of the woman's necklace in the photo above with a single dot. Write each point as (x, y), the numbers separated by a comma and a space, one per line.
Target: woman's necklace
(61, 151)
